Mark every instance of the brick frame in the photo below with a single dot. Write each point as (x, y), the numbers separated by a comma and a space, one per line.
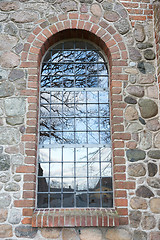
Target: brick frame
(43, 36)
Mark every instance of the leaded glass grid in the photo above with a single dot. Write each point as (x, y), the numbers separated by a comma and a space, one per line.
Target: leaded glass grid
(74, 153)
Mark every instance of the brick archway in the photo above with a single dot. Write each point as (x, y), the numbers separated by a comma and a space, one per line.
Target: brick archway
(43, 36)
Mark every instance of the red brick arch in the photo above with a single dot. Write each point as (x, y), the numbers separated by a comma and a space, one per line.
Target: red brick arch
(74, 25)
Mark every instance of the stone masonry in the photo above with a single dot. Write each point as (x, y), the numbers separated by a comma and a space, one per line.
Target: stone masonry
(129, 34)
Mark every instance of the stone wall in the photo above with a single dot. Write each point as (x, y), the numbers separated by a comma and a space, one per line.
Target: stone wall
(127, 29)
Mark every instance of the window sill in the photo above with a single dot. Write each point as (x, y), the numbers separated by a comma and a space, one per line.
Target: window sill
(97, 217)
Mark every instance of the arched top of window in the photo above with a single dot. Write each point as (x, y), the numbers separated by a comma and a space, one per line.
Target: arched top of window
(76, 64)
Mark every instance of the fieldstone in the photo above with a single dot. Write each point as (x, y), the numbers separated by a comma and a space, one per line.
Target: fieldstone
(135, 137)
(11, 29)
(5, 231)
(135, 218)
(14, 106)
(50, 232)
(155, 154)
(157, 141)
(136, 91)
(132, 79)
(146, 78)
(130, 100)
(86, 1)
(148, 108)
(4, 177)
(139, 235)
(90, 234)
(9, 6)
(23, 33)
(24, 16)
(7, 42)
(153, 125)
(120, 10)
(4, 162)
(148, 222)
(3, 215)
(144, 192)
(9, 136)
(14, 120)
(83, 8)
(25, 231)
(107, 5)
(134, 155)
(3, 17)
(155, 235)
(111, 16)
(145, 140)
(142, 121)
(118, 234)
(12, 149)
(14, 216)
(138, 203)
(69, 233)
(5, 200)
(6, 89)
(17, 178)
(69, 5)
(154, 182)
(12, 187)
(152, 92)
(19, 47)
(139, 33)
(132, 71)
(122, 26)
(9, 60)
(131, 113)
(152, 169)
(134, 127)
(134, 54)
(145, 67)
(96, 10)
(17, 159)
(20, 84)
(144, 45)
(3, 74)
(149, 54)
(131, 144)
(137, 170)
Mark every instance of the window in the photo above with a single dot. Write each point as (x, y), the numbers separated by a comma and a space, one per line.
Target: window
(74, 152)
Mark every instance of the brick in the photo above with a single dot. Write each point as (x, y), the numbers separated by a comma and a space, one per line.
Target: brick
(67, 24)
(118, 153)
(31, 38)
(118, 144)
(42, 38)
(121, 202)
(37, 30)
(87, 26)
(94, 28)
(29, 178)
(125, 185)
(84, 17)
(63, 17)
(122, 211)
(120, 176)
(123, 136)
(73, 15)
(28, 137)
(27, 212)
(74, 24)
(120, 193)
(24, 203)
(123, 221)
(119, 160)
(29, 186)
(59, 26)
(28, 194)
(119, 168)
(94, 19)
(27, 221)
(25, 169)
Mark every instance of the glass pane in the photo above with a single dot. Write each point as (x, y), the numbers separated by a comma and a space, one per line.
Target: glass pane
(80, 69)
(68, 56)
(93, 183)
(81, 169)
(42, 200)
(81, 184)
(105, 169)
(45, 124)
(104, 124)
(106, 183)
(57, 56)
(105, 137)
(94, 200)
(43, 155)
(45, 111)
(68, 110)
(42, 184)
(103, 81)
(56, 97)
(68, 154)
(81, 200)
(56, 124)
(104, 110)
(92, 97)
(56, 110)
(106, 154)
(92, 81)
(80, 81)
(107, 200)
(80, 138)
(68, 184)
(44, 138)
(68, 124)
(68, 81)
(93, 154)
(80, 97)
(93, 169)
(55, 169)
(57, 81)
(92, 110)
(103, 97)
(55, 185)
(80, 110)
(55, 200)
(43, 169)
(68, 200)
(93, 124)
(56, 137)
(93, 138)
(68, 169)
(68, 137)
(80, 124)
(81, 154)
(68, 97)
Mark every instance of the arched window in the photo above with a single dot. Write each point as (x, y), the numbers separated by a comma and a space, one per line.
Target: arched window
(74, 152)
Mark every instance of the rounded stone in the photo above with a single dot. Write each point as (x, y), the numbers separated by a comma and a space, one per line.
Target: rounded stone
(14, 106)
(135, 218)
(157, 140)
(11, 29)
(14, 120)
(148, 222)
(131, 113)
(7, 42)
(149, 54)
(9, 6)
(9, 60)
(17, 178)
(148, 108)
(152, 92)
(6, 89)
(4, 162)
(154, 182)
(134, 155)
(17, 159)
(5, 200)
(153, 125)
(25, 231)
(136, 91)
(152, 169)
(146, 78)
(142, 121)
(139, 33)
(24, 16)
(5, 231)
(132, 79)
(144, 45)
(134, 54)
(144, 192)
(155, 154)
(107, 5)
(122, 26)
(130, 100)
(3, 17)
(90, 234)
(145, 140)
(69, 233)
(70, 5)
(16, 74)
(9, 136)
(96, 10)
(145, 67)
(137, 170)
(4, 177)
(139, 235)
(50, 232)
(134, 127)
(12, 187)
(138, 203)
(120, 10)
(111, 16)
(14, 216)
(118, 234)
(3, 215)
(132, 71)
